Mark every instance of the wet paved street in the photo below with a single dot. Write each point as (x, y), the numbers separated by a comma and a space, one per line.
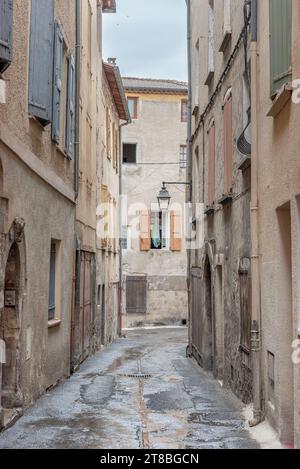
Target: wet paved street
(140, 393)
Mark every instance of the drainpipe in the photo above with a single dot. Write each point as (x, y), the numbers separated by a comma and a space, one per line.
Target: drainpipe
(190, 160)
(120, 224)
(77, 97)
(256, 304)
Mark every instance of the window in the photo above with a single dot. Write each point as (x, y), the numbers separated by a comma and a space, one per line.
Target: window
(124, 237)
(184, 110)
(133, 107)
(183, 156)
(210, 44)
(69, 133)
(280, 43)
(108, 134)
(228, 143)
(129, 153)
(226, 25)
(6, 27)
(197, 75)
(211, 165)
(160, 230)
(41, 60)
(245, 302)
(53, 312)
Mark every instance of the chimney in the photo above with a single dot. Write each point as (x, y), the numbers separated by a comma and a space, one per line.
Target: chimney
(112, 60)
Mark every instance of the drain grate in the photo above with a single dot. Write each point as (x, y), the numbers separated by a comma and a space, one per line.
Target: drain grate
(137, 375)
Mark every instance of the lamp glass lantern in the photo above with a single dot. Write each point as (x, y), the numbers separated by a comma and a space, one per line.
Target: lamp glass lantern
(164, 198)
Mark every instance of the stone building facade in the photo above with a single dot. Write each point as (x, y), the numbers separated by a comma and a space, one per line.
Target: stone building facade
(37, 201)
(244, 170)
(154, 151)
(113, 113)
(220, 268)
(50, 158)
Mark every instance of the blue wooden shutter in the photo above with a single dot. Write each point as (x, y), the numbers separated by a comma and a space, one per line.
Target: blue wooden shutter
(280, 43)
(41, 59)
(70, 108)
(6, 27)
(57, 82)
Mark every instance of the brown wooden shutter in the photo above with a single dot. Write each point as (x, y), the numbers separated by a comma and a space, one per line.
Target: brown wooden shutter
(145, 230)
(176, 231)
(211, 166)
(228, 145)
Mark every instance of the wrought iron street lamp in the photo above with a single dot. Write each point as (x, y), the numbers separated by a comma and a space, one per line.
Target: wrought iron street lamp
(164, 197)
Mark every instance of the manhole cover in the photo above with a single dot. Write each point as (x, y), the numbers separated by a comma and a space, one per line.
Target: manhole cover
(137, 375)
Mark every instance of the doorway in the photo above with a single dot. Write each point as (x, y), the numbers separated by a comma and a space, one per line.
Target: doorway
(10, 333)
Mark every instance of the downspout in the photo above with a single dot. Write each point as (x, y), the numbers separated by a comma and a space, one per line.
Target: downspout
(77, 97)
(255, 275)
(120, 225)
(190, 169)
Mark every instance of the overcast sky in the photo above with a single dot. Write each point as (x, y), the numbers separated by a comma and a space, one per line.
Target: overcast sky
(148, 37)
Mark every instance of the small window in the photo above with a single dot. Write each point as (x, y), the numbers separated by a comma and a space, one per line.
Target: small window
(129, 153)
(183, 156)
(53, 313)
(124, 238)
(184, 110)
(133, 107)
(160, 230)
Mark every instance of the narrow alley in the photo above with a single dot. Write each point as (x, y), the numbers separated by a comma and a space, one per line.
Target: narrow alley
(141, 393)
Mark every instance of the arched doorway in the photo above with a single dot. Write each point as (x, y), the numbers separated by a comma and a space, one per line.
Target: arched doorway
(10, 332)
(207, 337)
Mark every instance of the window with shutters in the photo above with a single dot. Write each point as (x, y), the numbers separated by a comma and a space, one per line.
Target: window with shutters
(210, 42)
(184, 110)
(136, 295)
(228, 143)
(41, 60)
(211, 165)
(6, 33)
(57, 83)
(197, 75)
(227, 32)
(280, 43)
(54, 286)
(183, 156)
(70, 107)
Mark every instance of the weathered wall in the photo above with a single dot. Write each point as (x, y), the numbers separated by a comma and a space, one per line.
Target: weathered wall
(279, 168)
(227, 229)
(158, 133)
(37, 187)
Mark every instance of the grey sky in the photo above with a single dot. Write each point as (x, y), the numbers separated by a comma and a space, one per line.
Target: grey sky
(148, 37)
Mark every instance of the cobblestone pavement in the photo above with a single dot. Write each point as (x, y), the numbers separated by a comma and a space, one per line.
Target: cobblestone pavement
(142, 392)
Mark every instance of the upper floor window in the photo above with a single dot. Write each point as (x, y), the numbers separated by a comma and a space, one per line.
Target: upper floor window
(183, 156)
(133, 107)
(129, 153)
(184, 110)
(6, 26)
(228, 142)
(210, 43)
(226, 25)
(280, 43)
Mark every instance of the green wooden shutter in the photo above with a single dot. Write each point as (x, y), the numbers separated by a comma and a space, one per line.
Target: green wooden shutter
(6, 27)
(57, 82)
(41, 60)
(280, 43)
(70, 108)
